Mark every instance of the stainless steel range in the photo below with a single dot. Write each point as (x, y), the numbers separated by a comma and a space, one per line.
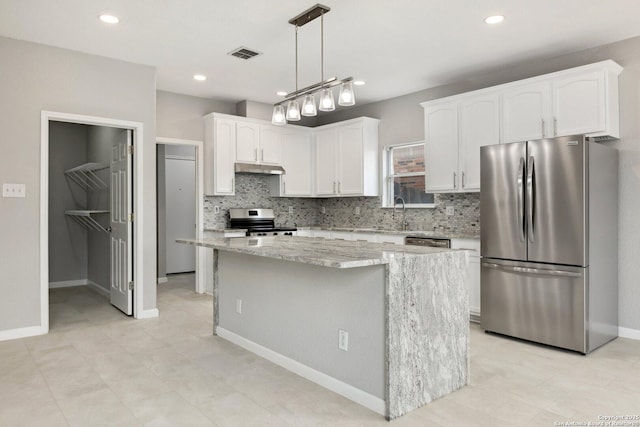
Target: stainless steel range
(258, 222)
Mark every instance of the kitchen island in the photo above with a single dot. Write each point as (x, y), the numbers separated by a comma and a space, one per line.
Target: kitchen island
(398, 314)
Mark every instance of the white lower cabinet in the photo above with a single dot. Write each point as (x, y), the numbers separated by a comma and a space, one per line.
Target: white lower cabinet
(473, 272)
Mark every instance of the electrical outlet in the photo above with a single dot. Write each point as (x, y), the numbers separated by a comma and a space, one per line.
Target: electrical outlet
(324, 210)
(343, 340)
(239, 306)
(449, 210)
(216, 209)
(290, 209)
(14, 190)
(357, 210)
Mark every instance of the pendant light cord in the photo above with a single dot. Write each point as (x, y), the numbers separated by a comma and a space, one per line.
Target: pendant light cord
(296, 58)
(322, 47)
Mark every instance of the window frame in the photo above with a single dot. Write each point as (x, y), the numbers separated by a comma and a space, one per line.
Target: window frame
(388, 178)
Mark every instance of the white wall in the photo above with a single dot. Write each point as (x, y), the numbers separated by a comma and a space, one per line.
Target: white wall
(35, 78)
(401, 120)
(180, 116)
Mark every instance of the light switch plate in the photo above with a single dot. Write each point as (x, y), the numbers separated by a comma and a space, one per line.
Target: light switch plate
(14, 190)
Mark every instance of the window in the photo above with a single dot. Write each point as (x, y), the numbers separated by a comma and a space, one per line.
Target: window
(405, 175)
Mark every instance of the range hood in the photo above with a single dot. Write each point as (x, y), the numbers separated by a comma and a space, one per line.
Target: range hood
(259, 168)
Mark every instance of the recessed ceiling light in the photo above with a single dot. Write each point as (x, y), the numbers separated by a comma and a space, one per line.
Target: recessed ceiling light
(109, 19)
(199, 77)
(358, 82)
(495, 19)
(281, 93)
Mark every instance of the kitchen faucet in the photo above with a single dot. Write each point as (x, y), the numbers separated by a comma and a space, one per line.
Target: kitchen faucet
(405, 224)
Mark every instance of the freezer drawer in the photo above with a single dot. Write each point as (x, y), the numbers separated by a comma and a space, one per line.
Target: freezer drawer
(537, 302)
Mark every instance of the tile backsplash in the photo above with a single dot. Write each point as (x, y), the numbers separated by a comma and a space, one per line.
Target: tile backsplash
(253, 191)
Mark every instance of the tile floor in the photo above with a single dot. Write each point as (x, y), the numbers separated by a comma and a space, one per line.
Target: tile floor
(98, 367)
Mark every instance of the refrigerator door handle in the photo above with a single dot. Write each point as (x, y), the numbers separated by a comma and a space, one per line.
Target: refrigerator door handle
(538, 271)
(531, 198)
(520, 201)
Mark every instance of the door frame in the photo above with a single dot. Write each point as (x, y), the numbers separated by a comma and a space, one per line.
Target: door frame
(201, 253)
(138, 205)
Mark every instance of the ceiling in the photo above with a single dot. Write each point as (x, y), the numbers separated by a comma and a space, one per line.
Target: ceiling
(397, 47)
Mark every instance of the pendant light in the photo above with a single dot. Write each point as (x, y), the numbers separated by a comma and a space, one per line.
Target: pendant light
(326, 101)
(346, 97)
(309, 106)
(278, 117)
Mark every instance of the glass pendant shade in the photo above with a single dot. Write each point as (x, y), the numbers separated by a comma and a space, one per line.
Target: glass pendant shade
(278, 117)
(309, 106)
(346, 96)
(326, 101)
(293, 110)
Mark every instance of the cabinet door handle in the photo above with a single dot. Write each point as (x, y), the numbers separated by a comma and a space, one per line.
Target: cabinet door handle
(555, 126)
(233, 184)
(462, 179)
(284, 187)
(543, 133)
(339, 187)
(454, 180)
(255, 154)
(262, 154)
(334, 186)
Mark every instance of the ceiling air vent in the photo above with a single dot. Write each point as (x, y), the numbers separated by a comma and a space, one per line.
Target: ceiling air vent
(244, 53)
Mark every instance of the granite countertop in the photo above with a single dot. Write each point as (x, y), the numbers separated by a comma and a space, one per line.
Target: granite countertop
(325, 253)
(227, 230)
(418, 233)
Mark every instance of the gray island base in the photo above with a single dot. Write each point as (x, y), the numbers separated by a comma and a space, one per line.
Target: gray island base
(404, 308)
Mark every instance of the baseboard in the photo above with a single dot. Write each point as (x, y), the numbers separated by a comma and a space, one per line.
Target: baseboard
(149, 314)
(162, 280)
(99, 289)
(633, 334)
(31, 331)
(68, 283)
(350, 392)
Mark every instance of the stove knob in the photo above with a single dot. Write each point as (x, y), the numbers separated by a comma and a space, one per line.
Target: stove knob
(275, 233)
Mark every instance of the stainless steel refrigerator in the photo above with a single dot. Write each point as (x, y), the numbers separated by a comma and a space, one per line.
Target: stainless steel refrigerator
(548, 230)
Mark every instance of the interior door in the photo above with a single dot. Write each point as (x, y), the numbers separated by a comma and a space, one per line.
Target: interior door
(556, 200)
(502, 209)
(181, 214)
(121, 225)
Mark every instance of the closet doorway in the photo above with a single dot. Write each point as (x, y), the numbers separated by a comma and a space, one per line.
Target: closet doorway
(87, 208)
(180, 207)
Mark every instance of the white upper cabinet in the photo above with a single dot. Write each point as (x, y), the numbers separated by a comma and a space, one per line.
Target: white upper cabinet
(441, 146)
(526, 112)
(454, 132)
(326, 162)
(339, 159)
(579, 103)
(346, 158)
(219, 156)
(270, 147)
(581, 100)
(247, 137)
(296, 161)
(257, 143)
(351, 155)
(479, 126)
